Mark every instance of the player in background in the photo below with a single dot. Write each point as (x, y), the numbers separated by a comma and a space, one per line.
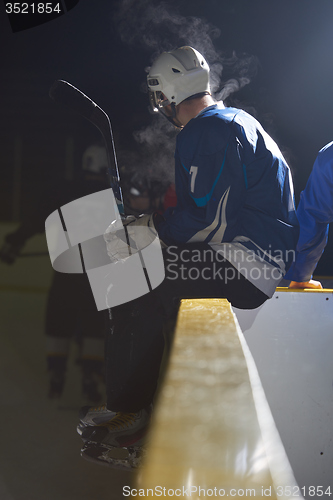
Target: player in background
(232, 235)
(71, 312)
(314, 212)
(143, 192)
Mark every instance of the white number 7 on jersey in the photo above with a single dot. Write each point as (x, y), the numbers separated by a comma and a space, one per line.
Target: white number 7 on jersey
(193, 172)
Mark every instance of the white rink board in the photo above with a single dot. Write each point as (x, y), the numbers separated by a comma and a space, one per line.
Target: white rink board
(291, 340)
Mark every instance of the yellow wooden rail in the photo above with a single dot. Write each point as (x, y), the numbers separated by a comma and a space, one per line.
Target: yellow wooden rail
(306, 290)
(212, 434)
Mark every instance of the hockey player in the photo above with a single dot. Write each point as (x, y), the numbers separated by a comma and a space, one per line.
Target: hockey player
(314, 212)
(232, 234)
(142, 192)
(70, 311)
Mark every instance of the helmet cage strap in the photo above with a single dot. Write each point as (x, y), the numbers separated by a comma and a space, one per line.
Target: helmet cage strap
(157, 100)
(171, 118)
(158, 104)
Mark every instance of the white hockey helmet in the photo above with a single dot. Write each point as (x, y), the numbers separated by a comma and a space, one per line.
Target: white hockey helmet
(176, 76)
(94, 160)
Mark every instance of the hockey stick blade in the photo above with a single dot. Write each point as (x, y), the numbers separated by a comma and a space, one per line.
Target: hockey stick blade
(66, 94)
(71, 97)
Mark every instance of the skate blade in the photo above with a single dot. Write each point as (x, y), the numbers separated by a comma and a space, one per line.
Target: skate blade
(116, 458)
(79, 429)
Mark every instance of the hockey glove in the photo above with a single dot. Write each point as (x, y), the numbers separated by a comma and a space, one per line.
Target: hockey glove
(130, 235)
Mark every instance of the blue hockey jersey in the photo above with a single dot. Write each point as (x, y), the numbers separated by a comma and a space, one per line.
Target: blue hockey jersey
(314, 212)
(234, 191)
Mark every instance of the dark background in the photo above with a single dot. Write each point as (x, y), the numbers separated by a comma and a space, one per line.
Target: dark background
(283, 49)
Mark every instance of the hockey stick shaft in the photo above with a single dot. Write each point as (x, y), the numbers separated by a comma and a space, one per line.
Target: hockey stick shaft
(71, 97)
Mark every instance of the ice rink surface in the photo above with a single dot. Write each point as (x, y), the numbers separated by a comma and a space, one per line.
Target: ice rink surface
(40, 449)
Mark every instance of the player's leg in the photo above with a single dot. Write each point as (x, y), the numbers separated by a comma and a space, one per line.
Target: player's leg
(135, 343)
(197, 271)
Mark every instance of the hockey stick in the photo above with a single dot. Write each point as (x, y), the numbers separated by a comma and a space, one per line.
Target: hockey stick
(68, 95)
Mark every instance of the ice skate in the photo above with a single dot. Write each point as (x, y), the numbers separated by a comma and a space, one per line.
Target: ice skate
(118, 442)
(117, 458)
(93, 416)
